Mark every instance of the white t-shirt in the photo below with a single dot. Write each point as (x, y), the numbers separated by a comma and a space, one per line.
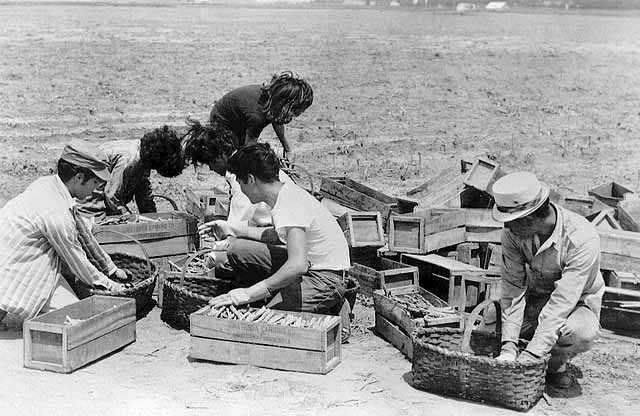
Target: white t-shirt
(327, 247)
(241, 209)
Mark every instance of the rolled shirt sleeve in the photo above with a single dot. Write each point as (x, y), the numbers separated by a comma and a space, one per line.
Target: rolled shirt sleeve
(581, 269)
(514, 284)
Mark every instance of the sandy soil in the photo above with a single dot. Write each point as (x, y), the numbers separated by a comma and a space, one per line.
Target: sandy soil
(399, 95)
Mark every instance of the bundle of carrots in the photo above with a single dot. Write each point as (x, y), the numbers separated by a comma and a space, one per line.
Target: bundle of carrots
(269, 316)
(418, 307)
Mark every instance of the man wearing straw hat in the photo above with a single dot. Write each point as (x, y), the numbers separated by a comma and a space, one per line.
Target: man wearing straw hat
(551, 283)
(40, 236)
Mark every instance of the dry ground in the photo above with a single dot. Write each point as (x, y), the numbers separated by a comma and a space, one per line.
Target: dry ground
(399, 95)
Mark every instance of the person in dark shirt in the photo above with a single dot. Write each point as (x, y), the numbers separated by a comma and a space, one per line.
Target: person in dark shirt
(130, 163)
(247, 110)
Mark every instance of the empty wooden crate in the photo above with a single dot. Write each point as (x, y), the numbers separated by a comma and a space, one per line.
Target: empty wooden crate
(382, 272)
(482, 174)
(610, 193)
(360, 197)
(99, 325)
(362, 229)
(262, 344)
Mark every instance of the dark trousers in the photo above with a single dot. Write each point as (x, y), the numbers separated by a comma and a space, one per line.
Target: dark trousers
(316, 291)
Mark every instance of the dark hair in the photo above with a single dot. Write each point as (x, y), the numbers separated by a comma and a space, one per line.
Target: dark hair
(203, 144)
(542, 211)
(161, 151)
(286, 97)
(257, 159)
(67, 170)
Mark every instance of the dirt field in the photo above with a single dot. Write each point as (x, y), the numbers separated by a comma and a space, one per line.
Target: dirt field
(399, 95)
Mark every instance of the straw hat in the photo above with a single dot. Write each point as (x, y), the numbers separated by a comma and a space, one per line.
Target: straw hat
(517, 195)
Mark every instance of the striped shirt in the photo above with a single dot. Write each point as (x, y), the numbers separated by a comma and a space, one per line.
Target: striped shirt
(38, 234)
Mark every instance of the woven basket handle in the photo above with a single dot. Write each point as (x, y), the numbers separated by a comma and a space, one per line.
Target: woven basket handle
(171, 201)
(144, 250)
(190, 259)
(475, 314)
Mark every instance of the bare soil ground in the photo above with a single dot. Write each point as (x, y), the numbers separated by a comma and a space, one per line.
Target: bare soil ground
(399, 95)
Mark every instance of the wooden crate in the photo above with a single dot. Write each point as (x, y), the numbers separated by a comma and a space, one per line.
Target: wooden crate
(395, 324)
(383, 271)
(620, 309)
(605, 220)
(171, 233)
(629, 215)
(406, 234)
(109, 323)
(610, 193)
(352, 194)
(459, 284)
(584, 206)
(206, 204)
(619, 250)
(308, 350)
(482, 174)
(362, 229)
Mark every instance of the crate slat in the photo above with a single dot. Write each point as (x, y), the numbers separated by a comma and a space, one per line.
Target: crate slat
(394, 335)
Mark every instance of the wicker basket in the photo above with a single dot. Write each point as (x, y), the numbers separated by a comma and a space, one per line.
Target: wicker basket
(143, 275)
(184, 293)
(456, 363)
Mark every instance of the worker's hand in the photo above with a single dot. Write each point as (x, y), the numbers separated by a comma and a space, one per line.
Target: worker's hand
(242, 296)
(235, 297)
(220, 229)
(109, 284)
(508, 352)
(527, 357)
(121, 275)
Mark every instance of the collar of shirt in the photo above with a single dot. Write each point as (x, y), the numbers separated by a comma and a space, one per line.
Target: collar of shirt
(555, 236)
(64, 191)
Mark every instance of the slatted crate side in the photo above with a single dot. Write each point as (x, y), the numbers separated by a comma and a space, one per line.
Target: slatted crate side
(629, 215)
(394, 335)
(354, 199)
(443, 239)
(382, 272)
(203, 325)
(170, 224)
(156, 248)
(406, 234)
(368, 277)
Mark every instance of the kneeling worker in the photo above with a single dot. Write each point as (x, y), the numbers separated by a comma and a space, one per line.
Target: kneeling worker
(551, 283)
(307, 274)
(40, 235)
